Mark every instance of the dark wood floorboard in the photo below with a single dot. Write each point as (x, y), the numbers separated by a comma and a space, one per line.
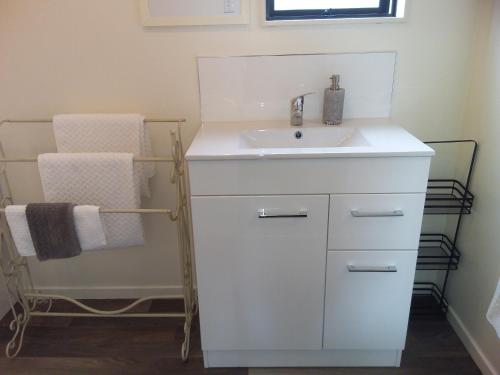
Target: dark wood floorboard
(125, 346)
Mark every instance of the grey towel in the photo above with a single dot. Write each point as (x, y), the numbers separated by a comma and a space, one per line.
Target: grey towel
(53, 231)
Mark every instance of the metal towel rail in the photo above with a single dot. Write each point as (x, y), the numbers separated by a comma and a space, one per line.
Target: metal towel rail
(16, 272)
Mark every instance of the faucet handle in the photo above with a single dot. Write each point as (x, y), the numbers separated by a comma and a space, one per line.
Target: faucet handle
(298, 101)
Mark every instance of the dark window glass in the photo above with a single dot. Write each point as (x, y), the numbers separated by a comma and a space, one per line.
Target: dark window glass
(321, 9)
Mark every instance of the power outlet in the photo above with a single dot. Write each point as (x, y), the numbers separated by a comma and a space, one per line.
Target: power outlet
(229, 6)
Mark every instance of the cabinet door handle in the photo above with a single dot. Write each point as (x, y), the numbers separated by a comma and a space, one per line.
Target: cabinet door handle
(266, 213)
(378, 269)
(394, 213)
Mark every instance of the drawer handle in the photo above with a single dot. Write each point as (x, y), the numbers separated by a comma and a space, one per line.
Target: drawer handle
(265, 213)
(381, 269)
(395, 213)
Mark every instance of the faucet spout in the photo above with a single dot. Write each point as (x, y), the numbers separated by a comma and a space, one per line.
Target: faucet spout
(297, 110)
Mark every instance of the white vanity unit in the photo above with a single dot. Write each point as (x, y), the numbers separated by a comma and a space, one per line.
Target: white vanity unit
(306, 243)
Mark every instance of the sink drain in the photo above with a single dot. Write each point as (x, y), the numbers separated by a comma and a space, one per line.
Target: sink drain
(298, 134)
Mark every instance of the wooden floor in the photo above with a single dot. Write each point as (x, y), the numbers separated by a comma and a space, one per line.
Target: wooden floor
(151, 346)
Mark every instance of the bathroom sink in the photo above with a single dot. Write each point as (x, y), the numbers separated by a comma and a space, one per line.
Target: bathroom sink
(324, 137)
(276, 139)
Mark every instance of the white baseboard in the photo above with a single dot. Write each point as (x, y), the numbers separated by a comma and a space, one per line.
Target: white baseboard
(471, 344)
(106, 292)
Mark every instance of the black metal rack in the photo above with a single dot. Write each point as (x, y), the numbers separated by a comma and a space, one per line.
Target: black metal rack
(437, 251)
(428, 299)
(448, 197)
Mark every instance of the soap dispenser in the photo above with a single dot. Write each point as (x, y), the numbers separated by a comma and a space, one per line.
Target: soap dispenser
(333, 108)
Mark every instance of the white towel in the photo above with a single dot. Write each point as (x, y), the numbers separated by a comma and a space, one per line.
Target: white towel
(103, 179)
(107, 133)
(494, 310)
(88, 225)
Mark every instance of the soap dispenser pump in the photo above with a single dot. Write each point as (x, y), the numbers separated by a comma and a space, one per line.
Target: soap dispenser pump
(333, 108)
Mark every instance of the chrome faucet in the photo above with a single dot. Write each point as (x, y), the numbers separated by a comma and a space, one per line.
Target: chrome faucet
(297, 110)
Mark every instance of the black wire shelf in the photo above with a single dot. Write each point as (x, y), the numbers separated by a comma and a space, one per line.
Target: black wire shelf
(437, 252)
(428, 299)
(448, 197)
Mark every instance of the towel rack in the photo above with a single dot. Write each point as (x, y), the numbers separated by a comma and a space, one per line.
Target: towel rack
(34, 160)
(49, 121)
(127, 211)
(17, 276)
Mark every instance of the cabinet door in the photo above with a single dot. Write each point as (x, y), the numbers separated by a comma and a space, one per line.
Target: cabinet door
(368, 295)
(260, 266)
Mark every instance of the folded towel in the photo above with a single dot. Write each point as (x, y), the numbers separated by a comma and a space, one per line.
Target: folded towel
(494, 310)
(18, 225)
(89, 227)
(104, 179)
(87, 221)
(53, 230)
(107, 133)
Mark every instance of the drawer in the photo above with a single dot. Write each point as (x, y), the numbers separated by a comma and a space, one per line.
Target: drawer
(368, 297)
(309, 176)
(375, 221)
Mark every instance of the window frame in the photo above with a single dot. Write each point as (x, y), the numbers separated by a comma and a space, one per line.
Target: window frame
(387, 9)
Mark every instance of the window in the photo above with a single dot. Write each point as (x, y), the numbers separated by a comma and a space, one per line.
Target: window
(326, 9)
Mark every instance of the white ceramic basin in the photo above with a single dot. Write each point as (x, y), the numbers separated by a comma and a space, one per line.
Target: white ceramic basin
(324, 137)
(276, 139)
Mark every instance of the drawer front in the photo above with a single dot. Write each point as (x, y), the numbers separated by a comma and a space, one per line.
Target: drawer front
(368, 297)
(309, 176)
(375, 221)
(260, 266)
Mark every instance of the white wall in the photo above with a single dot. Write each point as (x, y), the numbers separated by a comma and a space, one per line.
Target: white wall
(4, 299)
(94, 56)
(472, 287)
